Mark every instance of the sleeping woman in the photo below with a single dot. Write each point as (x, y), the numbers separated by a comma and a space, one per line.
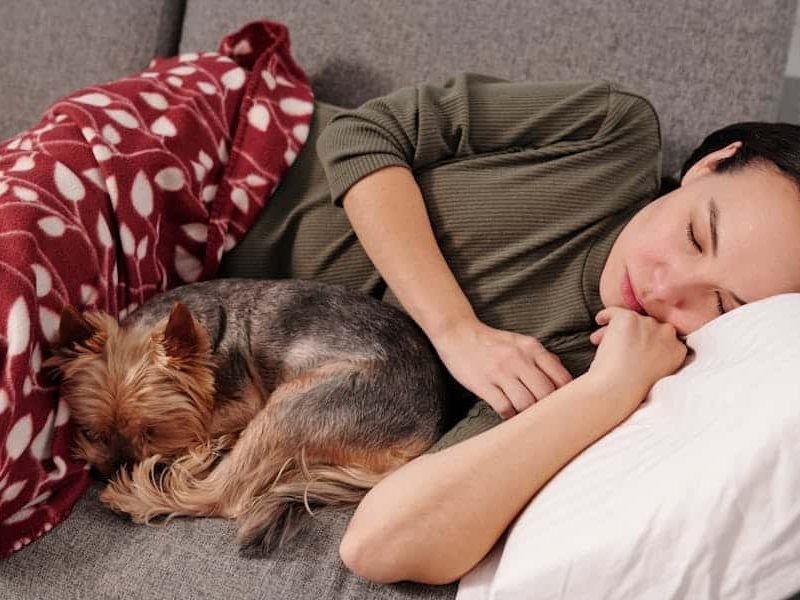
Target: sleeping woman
(525, 229)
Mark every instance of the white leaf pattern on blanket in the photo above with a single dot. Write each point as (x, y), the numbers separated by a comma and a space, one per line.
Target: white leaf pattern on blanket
(142, 195)
(121, 191)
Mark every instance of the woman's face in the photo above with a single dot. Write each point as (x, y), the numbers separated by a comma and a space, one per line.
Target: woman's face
(718, 241)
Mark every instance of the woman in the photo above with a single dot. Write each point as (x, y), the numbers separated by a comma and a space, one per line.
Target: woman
(510, 220)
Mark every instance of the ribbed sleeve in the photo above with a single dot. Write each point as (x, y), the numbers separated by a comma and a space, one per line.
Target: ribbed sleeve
(481, 417)
(470, 115)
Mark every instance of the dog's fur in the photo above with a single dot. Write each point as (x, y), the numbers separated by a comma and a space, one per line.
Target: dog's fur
(250, 400)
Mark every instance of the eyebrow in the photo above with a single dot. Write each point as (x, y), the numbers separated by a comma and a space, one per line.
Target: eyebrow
(713, 215)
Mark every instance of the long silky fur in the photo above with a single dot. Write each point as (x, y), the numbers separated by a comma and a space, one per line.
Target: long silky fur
(193, 485)
(154, 488)
(276, 516)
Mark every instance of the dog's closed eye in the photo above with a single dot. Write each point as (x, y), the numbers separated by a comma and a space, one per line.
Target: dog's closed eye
(97, 437)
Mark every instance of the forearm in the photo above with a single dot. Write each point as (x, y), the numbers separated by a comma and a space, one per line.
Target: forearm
(436, 517)
(388, 214)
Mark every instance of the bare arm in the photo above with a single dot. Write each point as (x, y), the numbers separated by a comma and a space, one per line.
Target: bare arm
(506, 369)
(434, 518)
(388, 213)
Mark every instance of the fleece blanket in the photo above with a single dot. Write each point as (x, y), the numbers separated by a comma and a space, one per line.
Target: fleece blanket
(123, 190)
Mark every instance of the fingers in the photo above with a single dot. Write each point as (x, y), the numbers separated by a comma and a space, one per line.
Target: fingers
(551, 365)
(520, 395)
(533, 381)
(537, 385)
(604, 316)
(512, 395)
(538, 358)
(517, 371)
(539, 372)
(496, 398)
(508, 398)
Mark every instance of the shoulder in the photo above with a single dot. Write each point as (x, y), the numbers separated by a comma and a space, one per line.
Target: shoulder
(630, 112)
(618, 107)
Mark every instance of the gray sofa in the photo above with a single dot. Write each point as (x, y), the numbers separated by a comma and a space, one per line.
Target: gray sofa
(703, 63)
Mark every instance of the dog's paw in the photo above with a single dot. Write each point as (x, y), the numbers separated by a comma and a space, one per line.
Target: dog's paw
(118, 497)
(134, 492)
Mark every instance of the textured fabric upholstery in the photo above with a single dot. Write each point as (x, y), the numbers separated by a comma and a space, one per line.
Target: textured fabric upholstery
(96, 555)
(703, 63)
(52, 47)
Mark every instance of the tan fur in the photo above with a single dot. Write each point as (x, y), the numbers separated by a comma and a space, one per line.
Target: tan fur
(135, 401)
(147, 402)
(232, 418)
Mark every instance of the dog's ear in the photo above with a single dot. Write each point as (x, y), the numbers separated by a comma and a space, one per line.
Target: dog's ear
(73, 328)
(182, 337)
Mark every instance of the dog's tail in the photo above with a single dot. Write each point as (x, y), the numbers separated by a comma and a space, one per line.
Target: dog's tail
(298, 489)
(272, 504)
(157, 488)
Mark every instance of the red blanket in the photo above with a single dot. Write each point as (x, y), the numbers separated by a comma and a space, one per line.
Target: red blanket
(121, 191)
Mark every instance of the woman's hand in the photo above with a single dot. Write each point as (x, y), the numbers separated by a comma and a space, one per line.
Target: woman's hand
(508, 370)
(635, 351)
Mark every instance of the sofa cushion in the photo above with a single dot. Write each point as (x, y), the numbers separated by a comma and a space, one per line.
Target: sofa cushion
(97, 554)
(704, 63)
(66, 49)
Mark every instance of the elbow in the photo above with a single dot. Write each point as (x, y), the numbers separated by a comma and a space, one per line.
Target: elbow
(359, 558)
(377, 559)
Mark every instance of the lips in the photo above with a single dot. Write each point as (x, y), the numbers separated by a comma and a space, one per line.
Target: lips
(629, 296)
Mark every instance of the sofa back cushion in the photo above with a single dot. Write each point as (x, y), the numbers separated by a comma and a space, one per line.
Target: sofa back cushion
(53, 47)
(704, 63)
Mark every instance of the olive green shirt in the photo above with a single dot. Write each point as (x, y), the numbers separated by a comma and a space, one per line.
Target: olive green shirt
(527, 186)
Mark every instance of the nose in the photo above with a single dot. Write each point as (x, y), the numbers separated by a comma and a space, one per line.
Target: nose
(671, 288)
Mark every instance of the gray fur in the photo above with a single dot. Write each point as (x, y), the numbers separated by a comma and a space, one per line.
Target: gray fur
(268, 329)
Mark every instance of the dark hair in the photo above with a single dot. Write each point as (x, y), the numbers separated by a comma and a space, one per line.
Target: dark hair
(775, 144)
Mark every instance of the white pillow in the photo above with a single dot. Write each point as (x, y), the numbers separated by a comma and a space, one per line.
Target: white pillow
(696, 495)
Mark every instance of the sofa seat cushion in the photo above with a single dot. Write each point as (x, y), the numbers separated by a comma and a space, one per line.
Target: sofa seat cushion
(98, 554)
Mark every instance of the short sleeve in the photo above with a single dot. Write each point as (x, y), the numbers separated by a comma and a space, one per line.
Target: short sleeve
(418, 127)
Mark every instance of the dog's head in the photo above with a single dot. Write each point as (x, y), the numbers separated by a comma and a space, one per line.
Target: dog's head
(134, 392)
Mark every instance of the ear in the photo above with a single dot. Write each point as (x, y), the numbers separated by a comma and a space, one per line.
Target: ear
(182, 336)
(708, 164)
(73, 328)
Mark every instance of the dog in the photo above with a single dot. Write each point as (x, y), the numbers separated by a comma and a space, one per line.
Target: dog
(254, 400)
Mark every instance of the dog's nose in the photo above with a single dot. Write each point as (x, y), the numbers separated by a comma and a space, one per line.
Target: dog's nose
(105, 469)
(121, 452)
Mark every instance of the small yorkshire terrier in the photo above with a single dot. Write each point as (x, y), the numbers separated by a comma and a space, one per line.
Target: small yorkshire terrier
(254, 400)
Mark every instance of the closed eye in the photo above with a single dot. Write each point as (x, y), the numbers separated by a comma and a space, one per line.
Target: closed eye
(720, 307)
(95, 436)
(692, 239)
